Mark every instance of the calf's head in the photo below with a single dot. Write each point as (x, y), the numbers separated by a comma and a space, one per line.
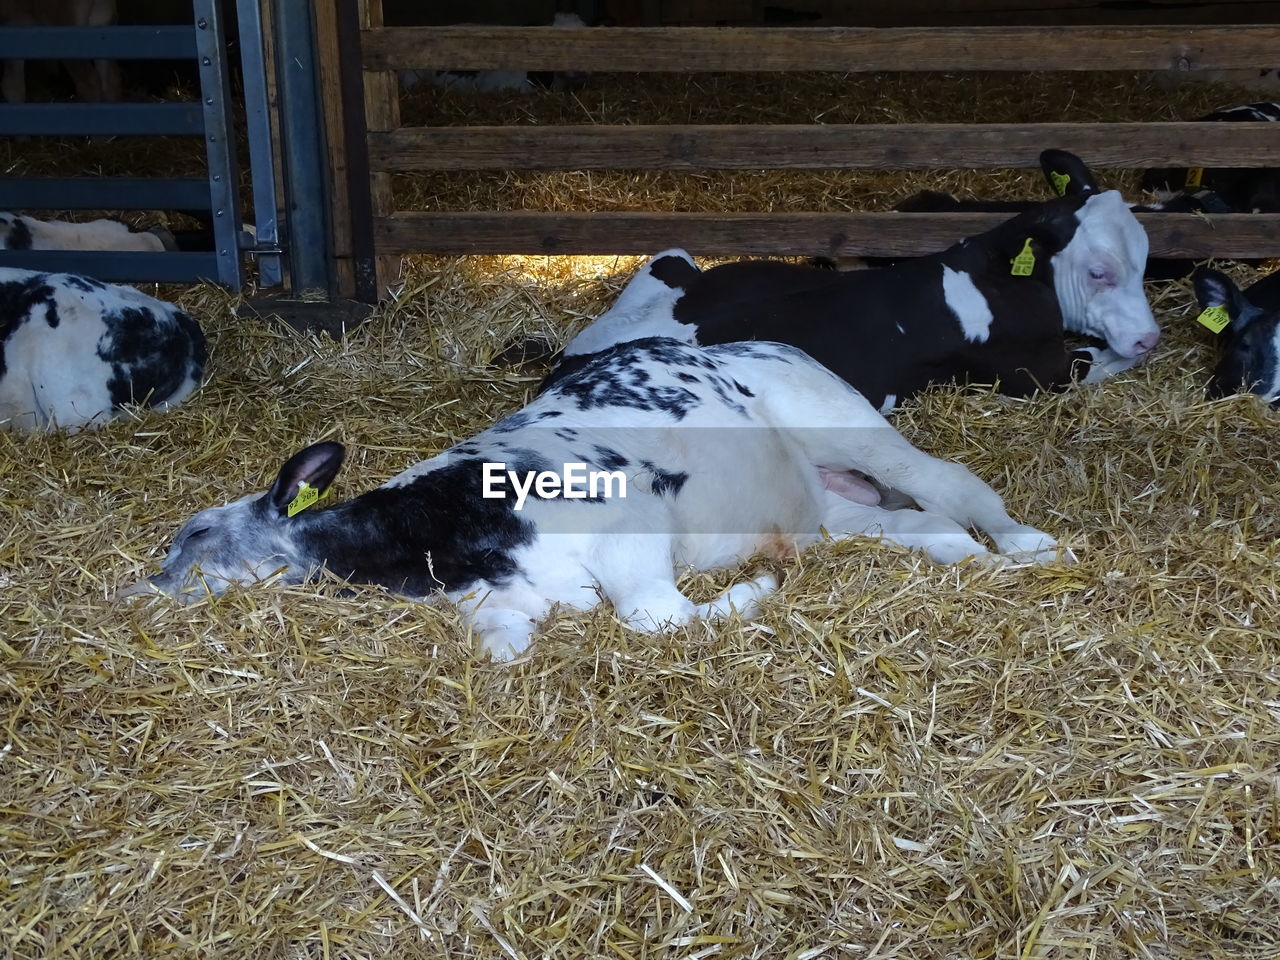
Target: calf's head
(250, 538)
(1098, 272)
(1250, 353)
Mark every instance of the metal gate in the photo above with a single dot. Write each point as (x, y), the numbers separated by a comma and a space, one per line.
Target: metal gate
(215, 196)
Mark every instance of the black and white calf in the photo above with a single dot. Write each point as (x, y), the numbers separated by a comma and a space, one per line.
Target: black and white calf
(1066, 169)
(991, 309)
(1241, 189)
(726, 452)
(28, 233)
(73, 351)
(1249, 358)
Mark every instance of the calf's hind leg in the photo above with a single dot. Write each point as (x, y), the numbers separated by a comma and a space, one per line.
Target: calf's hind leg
(837, 428)
(941, 538)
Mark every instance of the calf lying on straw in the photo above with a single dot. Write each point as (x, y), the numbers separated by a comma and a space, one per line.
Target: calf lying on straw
(990, 309)
(1241, 189)
(28, 233)
(706, 457)
(74, 351)
(1249, 321)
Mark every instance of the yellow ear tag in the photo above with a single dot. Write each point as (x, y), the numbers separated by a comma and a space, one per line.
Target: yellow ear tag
(307, 495)
(1024, 262)
(1215, 318)
(1060, 181)
(1194, 176)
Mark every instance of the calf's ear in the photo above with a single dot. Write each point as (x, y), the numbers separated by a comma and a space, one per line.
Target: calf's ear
(316, 466)
(1067, 174)
(1214, 289)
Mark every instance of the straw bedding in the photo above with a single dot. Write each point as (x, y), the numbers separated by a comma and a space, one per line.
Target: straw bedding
(898, 760)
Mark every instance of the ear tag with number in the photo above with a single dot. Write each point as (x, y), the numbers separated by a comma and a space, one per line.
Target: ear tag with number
(1194, 176)
(307, 495)
(1215, 318)
(1024, 262)
(1060, 181)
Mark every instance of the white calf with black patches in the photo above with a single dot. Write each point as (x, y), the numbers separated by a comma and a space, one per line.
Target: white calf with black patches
(28, 233)
(990, 309)
(677, 420)
(74, 351)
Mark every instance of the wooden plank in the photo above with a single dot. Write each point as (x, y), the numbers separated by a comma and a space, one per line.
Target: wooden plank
(972, 13)
(853, 49)
(833, 146)
(872, 234)
(381, 112)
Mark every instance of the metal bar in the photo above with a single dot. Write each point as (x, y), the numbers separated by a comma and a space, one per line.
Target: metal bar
(302, 147)
(215, 97)
(114, 193)
(97, 43)
(117, 267)
(262, 161)
(105, 119)
(355, 138)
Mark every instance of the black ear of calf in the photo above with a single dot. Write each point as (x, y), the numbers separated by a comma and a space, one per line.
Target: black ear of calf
(316, 466)
(1214, 289)
(1051, 231)
(1067, 174)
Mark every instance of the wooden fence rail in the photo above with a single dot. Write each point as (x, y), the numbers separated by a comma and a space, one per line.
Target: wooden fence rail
(913, 146)
(800, 234)
(390, 148)
(851, 49)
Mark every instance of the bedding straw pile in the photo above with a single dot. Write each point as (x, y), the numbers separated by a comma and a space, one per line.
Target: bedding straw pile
(898, 760)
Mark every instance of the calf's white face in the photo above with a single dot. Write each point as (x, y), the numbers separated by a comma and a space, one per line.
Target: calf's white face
(1098, 277)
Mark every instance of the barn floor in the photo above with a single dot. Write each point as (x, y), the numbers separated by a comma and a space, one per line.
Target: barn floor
(899, 759)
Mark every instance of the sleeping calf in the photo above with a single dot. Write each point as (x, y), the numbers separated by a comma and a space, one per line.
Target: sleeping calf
(1250, 353)
(720, 454)
(1241, 189)
(1162, 268)
(73, 351)
(990, 309)
(28, 233)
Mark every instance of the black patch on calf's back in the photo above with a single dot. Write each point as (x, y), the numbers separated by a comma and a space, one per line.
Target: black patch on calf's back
(618, 378)
(609, 459)
(19, 300)
(83, 284)
(149, 358)
(19, 236)
(666, 483)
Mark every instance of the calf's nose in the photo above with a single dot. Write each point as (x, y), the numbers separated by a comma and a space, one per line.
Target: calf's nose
(1146, 343)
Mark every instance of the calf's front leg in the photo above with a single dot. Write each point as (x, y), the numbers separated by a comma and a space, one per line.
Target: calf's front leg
(636, 572)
